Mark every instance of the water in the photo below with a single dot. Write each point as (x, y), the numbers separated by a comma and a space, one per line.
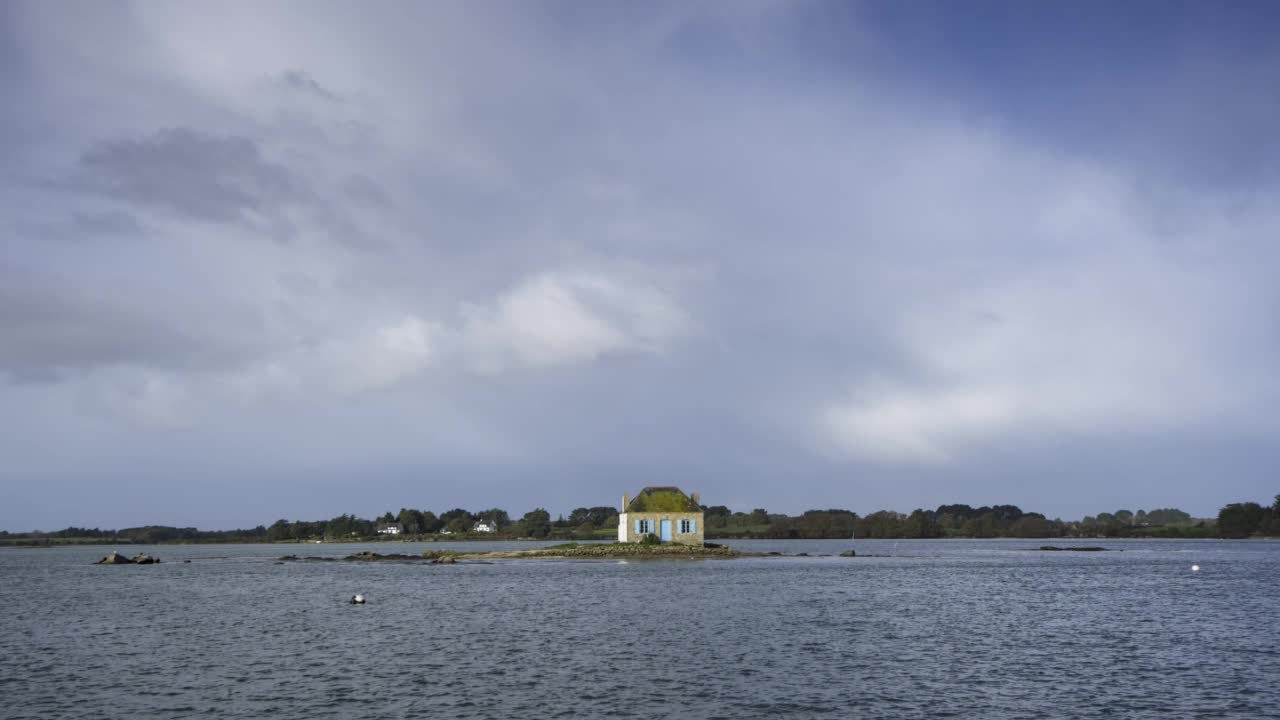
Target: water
(937, 629)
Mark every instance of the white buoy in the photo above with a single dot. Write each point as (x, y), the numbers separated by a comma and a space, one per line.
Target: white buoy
(1195, 568)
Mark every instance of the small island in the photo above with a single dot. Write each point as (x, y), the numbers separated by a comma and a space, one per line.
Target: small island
(567, 551)
(611, 551)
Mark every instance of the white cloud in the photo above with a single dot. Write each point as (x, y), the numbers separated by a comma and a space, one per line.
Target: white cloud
(548, 320)
(567, 318)
(1132, 341)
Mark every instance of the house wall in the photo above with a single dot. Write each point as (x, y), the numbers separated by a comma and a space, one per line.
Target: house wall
(627, 526)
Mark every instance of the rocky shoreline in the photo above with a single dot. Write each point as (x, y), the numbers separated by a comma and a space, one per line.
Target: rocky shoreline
(568, 551)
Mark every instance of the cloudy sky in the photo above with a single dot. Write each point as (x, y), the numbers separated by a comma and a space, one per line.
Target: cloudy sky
(294, 260)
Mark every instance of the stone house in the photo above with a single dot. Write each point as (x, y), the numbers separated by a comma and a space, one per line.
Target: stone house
(390, 528)
(663, 511)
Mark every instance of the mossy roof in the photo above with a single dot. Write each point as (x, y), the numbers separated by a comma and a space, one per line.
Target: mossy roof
(662, 499)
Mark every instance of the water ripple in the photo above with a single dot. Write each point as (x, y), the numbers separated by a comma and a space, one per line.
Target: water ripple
(957, 629)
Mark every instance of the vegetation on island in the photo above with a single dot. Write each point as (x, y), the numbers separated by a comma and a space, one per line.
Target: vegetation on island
(1236, 520)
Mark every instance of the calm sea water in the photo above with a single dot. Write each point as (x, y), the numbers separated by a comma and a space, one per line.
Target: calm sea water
(979, 629)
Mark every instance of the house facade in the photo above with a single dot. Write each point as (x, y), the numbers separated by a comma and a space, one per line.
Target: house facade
(485, 526)
(390, 529)
(665, 512)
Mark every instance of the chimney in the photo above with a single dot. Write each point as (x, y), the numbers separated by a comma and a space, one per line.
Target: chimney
(697, 499)
(625, 502)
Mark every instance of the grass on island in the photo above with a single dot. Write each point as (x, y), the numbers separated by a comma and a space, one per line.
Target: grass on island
(573, 550)
(601, 551)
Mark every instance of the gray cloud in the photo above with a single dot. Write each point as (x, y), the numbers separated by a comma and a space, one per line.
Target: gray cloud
(109, 222)
(194, 174)
(363, 190)
(301, 81)
(46, 338)
(540, 264)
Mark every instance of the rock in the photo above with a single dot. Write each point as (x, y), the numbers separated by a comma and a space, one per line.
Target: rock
(1054, 548)
(144, 559)
(445, 560)
(802, 554)
(849, 553)
(114, 558)
(367, 556)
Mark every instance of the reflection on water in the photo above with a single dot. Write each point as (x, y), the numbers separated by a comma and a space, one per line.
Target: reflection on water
(938, 628)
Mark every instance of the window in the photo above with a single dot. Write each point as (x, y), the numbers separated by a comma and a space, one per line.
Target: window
(644, 527)
(686, 527)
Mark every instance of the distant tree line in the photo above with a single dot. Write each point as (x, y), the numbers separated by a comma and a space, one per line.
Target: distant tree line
(1237, 520)
(412, 523)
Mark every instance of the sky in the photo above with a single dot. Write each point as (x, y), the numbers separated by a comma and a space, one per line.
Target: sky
(293, 260)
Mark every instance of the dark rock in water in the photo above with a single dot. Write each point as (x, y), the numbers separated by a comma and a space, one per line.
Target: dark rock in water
(711, 545)
(1054, 548)
(849, 553)
(444, 560)
(186, 561)
(114, 558)
(367, 556)
(802, 554)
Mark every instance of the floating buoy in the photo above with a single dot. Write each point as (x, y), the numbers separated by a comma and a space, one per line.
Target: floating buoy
(357, 599)
(1195, 568)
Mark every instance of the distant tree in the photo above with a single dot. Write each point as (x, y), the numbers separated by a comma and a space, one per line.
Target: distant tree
(716, 516)
(1124, 517)
(759, 516)
(921, 524)
(537, 523)
(387, 517)
(1240, 520)
(279, 531)
(459, 524)
(430, 523)
(983, 526)
(343, 526)
(603, 516)
(781, 527)
(410, 520)
(1271, 525)
(451, 515)
(960, 512)
(1032, 526)
(881, 524)
(1168, 516)
(497, 516)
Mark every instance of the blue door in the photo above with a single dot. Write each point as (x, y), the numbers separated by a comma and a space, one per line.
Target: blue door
(666, 531)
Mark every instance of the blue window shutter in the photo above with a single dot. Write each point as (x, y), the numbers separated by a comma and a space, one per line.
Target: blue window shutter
(638, 526)
(693, 526)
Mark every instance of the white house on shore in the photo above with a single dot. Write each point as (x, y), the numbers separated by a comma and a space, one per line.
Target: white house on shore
(485, 526)
(664, 512)
(390, 529)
